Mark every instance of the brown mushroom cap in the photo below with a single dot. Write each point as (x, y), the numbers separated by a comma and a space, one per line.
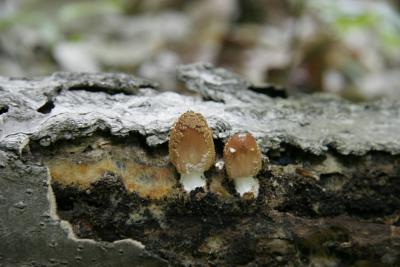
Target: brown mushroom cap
(242, 156)
(191, 146)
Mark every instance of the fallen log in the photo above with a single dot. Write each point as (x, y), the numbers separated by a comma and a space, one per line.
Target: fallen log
(85, 177)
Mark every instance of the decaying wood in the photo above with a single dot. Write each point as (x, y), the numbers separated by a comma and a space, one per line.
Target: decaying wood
(85, 178)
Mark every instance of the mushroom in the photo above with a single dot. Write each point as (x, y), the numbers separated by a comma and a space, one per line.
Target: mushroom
(243, 161)
(191, 149)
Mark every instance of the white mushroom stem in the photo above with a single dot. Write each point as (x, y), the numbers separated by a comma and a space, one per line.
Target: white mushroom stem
(246, 184)
(192, 180)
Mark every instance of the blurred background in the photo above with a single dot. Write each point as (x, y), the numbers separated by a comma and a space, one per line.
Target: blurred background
(347, 47)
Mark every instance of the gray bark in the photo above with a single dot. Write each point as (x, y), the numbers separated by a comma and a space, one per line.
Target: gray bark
(329, 193)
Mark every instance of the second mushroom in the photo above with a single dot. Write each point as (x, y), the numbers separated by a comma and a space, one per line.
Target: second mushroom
(243, 162)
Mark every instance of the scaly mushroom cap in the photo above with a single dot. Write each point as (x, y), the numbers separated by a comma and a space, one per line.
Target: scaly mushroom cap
(191, 146)
(242, 156)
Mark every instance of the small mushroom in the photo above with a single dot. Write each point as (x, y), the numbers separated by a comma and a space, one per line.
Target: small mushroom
(242, 158)
(191, 149)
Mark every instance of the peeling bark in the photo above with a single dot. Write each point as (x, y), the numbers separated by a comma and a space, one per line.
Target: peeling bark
(85, 177)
